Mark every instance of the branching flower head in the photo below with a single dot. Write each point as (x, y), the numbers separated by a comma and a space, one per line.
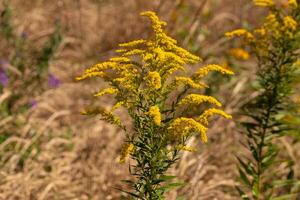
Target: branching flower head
(142, 80)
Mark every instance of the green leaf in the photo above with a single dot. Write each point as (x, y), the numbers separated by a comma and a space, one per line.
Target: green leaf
(243, 177)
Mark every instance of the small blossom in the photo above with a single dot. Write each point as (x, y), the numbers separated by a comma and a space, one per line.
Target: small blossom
(240, 33)
(154, 113)
(210, 112)
(153, 80)
(24, 35)
(33, 103)
(127, 149)
(53, 81)
(199, 99)
(239, 53)
(185, 126)
(293, 3)
(106, 91)
(264, 3)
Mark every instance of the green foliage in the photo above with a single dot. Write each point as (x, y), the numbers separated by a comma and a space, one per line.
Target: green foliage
(275, 45)
(145, 79)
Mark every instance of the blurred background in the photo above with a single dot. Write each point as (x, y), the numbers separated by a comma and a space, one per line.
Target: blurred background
(49, 151)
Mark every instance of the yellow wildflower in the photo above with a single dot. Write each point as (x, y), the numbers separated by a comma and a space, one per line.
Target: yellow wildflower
(260, 31)
(157, 24)
(289, 23)
(185, 126)
(133, 52)
(120, 59)
(154, 113)
(133, 43)
(264, 3)
(89, 75)
(239, 53)
(293, 3)
(153, 80)
(118, 105)
(185, 148)
(127, 149)
(240, 33)
(190, 82)
(199, 99)
(210, 112)
(106, 91)
(205, 70)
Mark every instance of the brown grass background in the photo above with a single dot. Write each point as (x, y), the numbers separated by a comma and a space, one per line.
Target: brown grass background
(78, 155)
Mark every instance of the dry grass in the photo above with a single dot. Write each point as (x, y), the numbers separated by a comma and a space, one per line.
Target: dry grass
(75, 157)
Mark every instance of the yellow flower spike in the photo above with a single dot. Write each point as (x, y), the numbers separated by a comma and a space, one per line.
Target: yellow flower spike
(293, 3)
(127, 149)
(185, 126)
(153, 80)
(289, 23)
(154, 113)
(118, 105)
(89, 75)
(133, 43)
(264, 3)
(239, 53)
(202, 72)
(260, 31)
(157, 24)
(106, 91)
(210, 112)
(185, 148)
(133, 52)
(189, 82)
(199, 99)
(120, 59)
(240, 33)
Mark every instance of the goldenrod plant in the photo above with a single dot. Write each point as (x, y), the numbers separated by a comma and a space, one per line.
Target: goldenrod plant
(276, 47)
(144, 79)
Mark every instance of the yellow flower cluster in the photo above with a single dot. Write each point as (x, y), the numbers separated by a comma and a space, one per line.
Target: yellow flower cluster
(189, 82)
(198, 99)
(210, 112)
(106, 91)
(185, 148)
(127, 149)
(277, 26)
(264, 3)
(289, 23)
(240, 33)
(205, 70)
(153, 80)
(154, 113)
(293, 3)
(184, 126)
(141, 76)
(239, 53)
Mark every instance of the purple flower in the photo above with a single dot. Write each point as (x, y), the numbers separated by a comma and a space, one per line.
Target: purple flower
(33, 103)
(53, 81)
(3, 78)
(24, 35)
